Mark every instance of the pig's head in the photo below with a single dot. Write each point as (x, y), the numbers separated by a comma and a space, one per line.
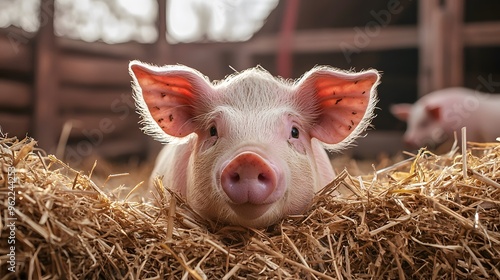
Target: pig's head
(253, 161)
(424, 123)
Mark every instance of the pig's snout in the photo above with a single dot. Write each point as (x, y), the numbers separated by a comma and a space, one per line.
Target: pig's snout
(410, 143)
(249, 178)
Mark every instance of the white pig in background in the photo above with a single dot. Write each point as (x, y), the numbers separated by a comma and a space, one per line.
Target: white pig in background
(249, 149)
(435, 117)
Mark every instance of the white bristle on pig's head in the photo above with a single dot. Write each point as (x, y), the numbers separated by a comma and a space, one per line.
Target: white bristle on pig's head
(234, 91)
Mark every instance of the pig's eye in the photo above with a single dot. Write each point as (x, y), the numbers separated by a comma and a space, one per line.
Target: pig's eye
(295, 132)
(213, 131)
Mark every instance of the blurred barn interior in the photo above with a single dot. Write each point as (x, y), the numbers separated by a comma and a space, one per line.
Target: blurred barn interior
(63, 64)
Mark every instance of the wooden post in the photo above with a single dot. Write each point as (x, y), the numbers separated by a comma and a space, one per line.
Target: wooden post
(455, 14)
(45, 121)
(440, 45)
(425, 46)
(161, 45)
(440, 37)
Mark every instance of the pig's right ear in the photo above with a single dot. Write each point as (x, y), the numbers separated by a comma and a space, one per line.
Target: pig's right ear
(338, 104)
(166, 98)
(401, 111)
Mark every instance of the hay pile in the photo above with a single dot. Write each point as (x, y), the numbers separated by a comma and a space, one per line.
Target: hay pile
(423, 218)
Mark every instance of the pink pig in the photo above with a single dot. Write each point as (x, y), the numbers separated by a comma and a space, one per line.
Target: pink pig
(433, 119)
(248, 150)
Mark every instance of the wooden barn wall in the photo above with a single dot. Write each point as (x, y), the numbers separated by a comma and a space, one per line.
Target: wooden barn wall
(92, 112)
(88, 90)
(92, 98)
(95, 100)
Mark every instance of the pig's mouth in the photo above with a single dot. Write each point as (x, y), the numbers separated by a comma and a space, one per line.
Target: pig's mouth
(250, 211)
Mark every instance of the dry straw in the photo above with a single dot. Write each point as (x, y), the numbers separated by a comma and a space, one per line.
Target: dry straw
(418, 219)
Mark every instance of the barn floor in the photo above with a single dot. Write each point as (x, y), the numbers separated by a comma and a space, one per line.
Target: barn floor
(427, 217)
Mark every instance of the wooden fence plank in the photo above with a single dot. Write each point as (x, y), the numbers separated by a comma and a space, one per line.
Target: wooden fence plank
(14, 95)
(93, 70)
(87, 99)
(129, 50)
(15, 124)
(335, 40)
(16, 50)
(478, 34)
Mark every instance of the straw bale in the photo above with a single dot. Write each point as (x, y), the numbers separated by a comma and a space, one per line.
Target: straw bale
(426, 217)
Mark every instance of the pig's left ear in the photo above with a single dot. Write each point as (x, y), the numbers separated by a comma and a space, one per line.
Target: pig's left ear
(167, 98)
(342, 103)
(434, 111)
(401, 111)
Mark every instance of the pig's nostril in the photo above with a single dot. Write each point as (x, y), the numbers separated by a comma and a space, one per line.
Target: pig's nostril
(235, 177)
(262, 177)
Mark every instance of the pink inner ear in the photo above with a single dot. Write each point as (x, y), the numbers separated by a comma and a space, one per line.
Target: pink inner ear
(169, 98)
(434, 112)
(343, 101)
